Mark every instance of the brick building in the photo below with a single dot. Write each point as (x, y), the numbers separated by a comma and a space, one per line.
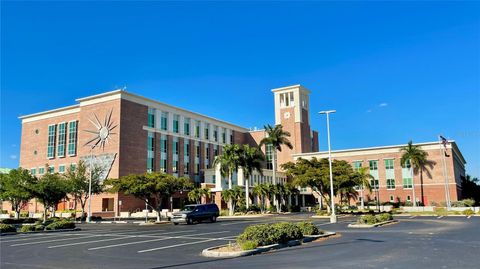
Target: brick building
(133, 134)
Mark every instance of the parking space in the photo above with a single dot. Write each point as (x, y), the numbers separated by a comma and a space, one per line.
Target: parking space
(164, 246)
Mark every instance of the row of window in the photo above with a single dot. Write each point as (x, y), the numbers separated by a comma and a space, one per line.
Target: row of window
(219, 134)
(57, 139)
(51, 169)
(407, 181)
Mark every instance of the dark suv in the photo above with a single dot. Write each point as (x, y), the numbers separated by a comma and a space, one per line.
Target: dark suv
(192, 213)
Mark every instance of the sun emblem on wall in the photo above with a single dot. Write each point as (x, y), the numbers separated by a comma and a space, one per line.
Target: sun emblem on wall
(103, 133)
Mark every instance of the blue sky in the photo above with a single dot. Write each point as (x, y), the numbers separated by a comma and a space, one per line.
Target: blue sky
(394, 71)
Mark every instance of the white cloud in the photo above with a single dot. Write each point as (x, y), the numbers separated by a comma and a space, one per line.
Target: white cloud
(13, 157)
(383, 105)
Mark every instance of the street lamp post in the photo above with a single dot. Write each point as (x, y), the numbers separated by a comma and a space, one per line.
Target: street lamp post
(89, 218)
(333, 217)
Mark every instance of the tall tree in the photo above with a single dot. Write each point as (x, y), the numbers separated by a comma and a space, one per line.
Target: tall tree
(276, 138)
(150, 187)
(233, 196)
(15, 187)
(50, 190)
(229, 162)
(471, 188)
(260, 191)
(79, 180)
(251, 159)
(364, 178)
(416, 157)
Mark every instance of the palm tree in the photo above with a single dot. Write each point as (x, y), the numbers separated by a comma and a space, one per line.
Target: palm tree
(260, 191)
(276, 138)
(233, 196)
(229, 162)
(197, 194)
(417, 158)
(251, 159)
(363, 180)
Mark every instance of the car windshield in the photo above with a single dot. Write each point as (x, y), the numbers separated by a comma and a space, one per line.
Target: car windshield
(189, 208)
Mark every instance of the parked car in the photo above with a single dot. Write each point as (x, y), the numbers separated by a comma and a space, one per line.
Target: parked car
(198, 213)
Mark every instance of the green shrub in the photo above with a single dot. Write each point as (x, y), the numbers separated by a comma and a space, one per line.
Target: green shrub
(248, 245)
(294, 208)
(322, 213)
(440, 211)
(39, 227)
(30, 220)
(287, 231)
(24, 214)
(367, 219)
(241, 209)
(224, 212)
(61, 224)
(10, 221)
(469, 202)
(272, 209)
(468, 212)
(27, 228)
(261, 233)
(308, 228)
(254, 208)
(7, 228)
(384, 217)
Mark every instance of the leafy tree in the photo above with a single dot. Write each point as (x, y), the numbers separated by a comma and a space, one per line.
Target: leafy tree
(229, 162)
(260, 191)
(471, 188)
(251, 159)
(50, 190)
(364, 177)
(15, 187)
(150, 187)
(78, 180)
(418, 159)
(276, 137)
(196, 194)
(314, 173)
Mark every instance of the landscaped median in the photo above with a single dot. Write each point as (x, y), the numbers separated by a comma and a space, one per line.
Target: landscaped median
(370, 221)
(51, 225)
(264, 237)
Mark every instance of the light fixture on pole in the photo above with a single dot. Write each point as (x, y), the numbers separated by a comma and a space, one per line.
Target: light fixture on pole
(333, 217)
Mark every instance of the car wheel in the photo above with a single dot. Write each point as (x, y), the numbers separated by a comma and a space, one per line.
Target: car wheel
(175, 223)
(189, 221)
(213, 219)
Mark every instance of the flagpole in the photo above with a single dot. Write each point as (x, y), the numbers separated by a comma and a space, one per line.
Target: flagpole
(443, 153)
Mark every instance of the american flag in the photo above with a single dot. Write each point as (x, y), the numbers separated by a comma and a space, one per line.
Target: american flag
(444, 143)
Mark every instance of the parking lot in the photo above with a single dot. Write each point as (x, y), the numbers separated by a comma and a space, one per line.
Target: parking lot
(426, 241)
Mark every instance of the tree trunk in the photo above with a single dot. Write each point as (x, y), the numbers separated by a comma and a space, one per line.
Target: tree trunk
(247, 196)
(44, 213)
(274, 174)
(230, 201)
(75, 207)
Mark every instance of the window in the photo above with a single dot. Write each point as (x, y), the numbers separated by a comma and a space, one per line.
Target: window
(391, 184)
(33, 171)
(186, 126)
(72, 138)
(163, 144)
(231, 138)
(214, 180)
(269, 156)
(150, 151)
(41, 171)
(408, 198)
(207, 155)
(62, 137)
(61, 169)
(175, 166)
(392, 200)
(73, 167)
(186, 167)
(224, 135)
(215, 150)
(357, 165)
(164, 121)
(151, 117)
(407, 183)
(207, 131)
(51, 169)
(163, 165)
(373, 165)
(389, 164)
(197, 169)
(197, 129)
(186, 148)
(107, 204)
(175, 147)
(374, 184)
(176, 123)
(197, 151)
(287, 99)
(51, 141)
(215, 133)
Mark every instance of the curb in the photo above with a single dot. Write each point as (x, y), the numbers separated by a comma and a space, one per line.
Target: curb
(211, 253)
(46, 232)
(366, 226)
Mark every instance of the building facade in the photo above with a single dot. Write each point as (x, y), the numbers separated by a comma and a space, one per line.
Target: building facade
(124, 134)
(394, 183)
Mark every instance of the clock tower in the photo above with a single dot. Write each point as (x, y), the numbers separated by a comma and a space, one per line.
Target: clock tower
(292, 111)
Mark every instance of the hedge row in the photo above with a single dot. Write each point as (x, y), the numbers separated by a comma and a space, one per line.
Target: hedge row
(278, 233)
(373, 219)
(18, 221)
(7, 228)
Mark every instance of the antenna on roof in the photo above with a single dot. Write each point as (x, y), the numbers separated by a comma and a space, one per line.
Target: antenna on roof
(124, 88)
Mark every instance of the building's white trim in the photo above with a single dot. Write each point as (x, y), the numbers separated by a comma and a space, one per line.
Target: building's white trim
(50, 113)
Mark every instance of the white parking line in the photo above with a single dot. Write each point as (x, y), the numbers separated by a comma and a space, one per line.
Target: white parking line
(137, 232)
(439, 217)
(49, 241)
(38, 237)
(241, 222)
(89, 242)
(179, 245)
